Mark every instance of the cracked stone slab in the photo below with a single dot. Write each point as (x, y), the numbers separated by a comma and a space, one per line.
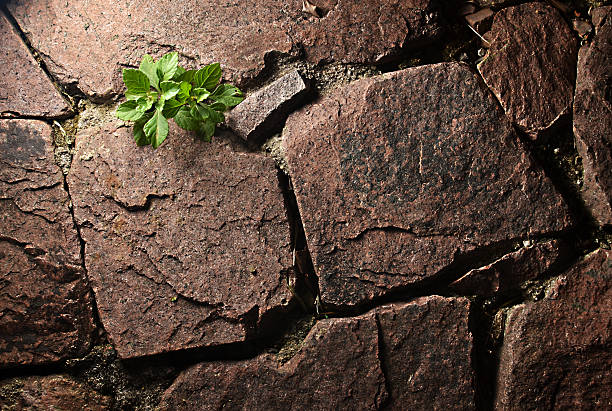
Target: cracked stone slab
(531, 65)
(427, 354)
(186, 246)
(556, 352)
(45, 305)
(593, 116)
(267, 107)
(72, 35)
(337, 367)
(508, 272)
(397, 175)
(52, 392)
(425, 362)
(25, 89)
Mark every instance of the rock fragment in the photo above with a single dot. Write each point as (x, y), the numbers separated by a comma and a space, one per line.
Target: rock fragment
(593, 116)
(113, 34)
(397, 175)
(507, 273)
(53, 392)
(425, 353)
(427, 348)
(338, 367)
(531, 65)
(45, 305)
(267, 108)
(25, 89)
(556, 352)
(186, 246)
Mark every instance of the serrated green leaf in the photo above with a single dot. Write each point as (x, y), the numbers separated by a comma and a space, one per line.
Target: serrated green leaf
(147, 66)
(129, 111)
(187, 76)
(183, 93)
(137, 83)
(167, 66)
(206, 130)
(208, 113)
(208, 76)
(171, 108)
(185, 120)
(220, 107)
(156, 128)
(139, 134)
(200, 94)
(227, 94)
(169, 89)
(179, 72)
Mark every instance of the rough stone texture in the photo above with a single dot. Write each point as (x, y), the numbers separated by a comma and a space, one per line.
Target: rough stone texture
(267, 107)
(397, 175)
(557, 352)
(24, 87)
(427, 348)
(45, 306)
(531, 65)
(593, 116)
(186, 245)
(508, 272)
(86, 43)
(54, 392)
(426, 352)
(338, 367)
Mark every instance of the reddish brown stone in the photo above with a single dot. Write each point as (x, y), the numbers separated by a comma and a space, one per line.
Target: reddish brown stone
(337, 367)
(397, 175)
(86, 44)
(186, 245)
(53, 392)
(508, 272)
(45, 306)
(593, 116)
(427, 354)
(556, 352)
(267, 107)
(24, 88)
(531, 65)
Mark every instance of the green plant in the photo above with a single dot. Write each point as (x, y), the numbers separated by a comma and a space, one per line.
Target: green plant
(161, 90)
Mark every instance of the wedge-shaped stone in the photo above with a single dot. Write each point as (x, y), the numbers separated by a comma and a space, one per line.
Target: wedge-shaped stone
(25, 89)
(531, 65)
(397, 175)
(556, 352)
(425, 347)
(85, 44)
(593, 116)
(186, 246)
(45, 303)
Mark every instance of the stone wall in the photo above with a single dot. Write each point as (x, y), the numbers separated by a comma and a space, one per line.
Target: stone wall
(402, 214)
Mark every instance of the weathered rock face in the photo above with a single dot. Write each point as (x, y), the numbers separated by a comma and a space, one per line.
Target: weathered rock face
(593, 116)
(24, 87)
(86, 44)
(45, 306)
(508, 272)
(427, 348)
(186, 246)
(531, 65)
(556, 352)
(426, 356)
(267, 107)
(397, 175)
(54, 392)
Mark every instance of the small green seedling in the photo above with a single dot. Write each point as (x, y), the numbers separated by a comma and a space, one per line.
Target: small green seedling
(161, 90)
